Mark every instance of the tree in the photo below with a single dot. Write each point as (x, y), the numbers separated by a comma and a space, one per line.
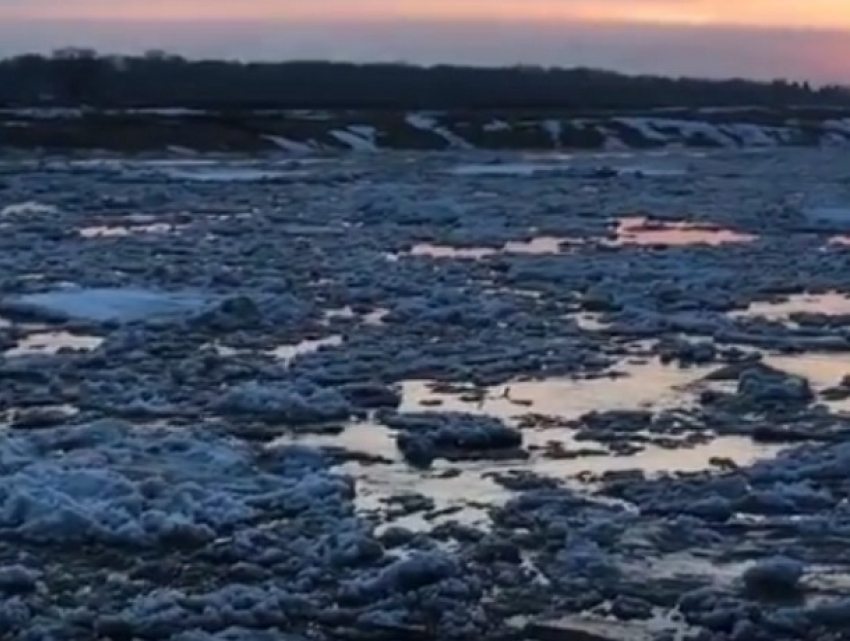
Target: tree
(76, 75)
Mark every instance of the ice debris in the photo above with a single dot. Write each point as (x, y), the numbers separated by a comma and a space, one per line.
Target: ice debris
(116, 484)
(296, 403)
(777, 576)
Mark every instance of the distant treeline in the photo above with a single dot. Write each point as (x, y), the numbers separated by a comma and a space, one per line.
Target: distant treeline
(72, 77)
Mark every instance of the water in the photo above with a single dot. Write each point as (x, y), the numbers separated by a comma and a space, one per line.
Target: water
(108, 304)
(539, 245)
(642, 386)
(830, 303)
(468, 489)
(642, 231)
(630, 231)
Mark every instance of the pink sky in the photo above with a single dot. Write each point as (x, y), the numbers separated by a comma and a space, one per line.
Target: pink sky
(707, 37)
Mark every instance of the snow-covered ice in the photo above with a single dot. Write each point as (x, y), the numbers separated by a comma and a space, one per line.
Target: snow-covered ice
(631, 404)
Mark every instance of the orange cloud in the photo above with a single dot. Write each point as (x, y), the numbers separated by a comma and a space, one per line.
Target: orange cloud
(751, 13)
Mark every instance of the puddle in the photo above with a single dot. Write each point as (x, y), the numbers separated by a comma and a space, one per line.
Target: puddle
(822, 370)
(465, 497)
(108, 304)
(362, 438)
(378, 482)
(53, 343)
(119, 231)
(465, 489)
(654, 460)
(630, 231)
(538, 245)
(642, 231)
(832, 303)
(464, 492)
(645, 385)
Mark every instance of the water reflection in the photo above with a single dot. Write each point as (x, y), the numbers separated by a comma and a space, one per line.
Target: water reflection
(538, 245)
(830, 303)
(630, 386)
(642, 231)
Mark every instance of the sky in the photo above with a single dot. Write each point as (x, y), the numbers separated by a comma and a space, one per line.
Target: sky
(752, 38)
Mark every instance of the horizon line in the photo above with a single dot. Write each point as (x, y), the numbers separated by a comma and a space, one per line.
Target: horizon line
(613, 24)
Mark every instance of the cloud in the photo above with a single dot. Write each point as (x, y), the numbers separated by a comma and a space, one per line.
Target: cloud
(754, 13)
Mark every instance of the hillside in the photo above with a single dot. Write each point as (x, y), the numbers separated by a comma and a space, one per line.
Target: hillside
(309, 131)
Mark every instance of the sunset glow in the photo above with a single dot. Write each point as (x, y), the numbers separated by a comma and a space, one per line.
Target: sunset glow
(831, 14)
(751, 38)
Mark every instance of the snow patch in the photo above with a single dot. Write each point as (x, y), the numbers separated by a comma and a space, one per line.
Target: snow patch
(678, 129)
(425, 122)
(29, 208)
(644, 126)
(754, 135)
(358, 137)
(291, 146)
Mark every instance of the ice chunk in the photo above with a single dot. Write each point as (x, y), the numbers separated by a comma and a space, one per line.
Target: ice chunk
(358, 138)
(30, 208)
(427, 122)
(111, 483)
(296, 404)
(17, 579)
(777, 575)
(291, 146)
(426, 436)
